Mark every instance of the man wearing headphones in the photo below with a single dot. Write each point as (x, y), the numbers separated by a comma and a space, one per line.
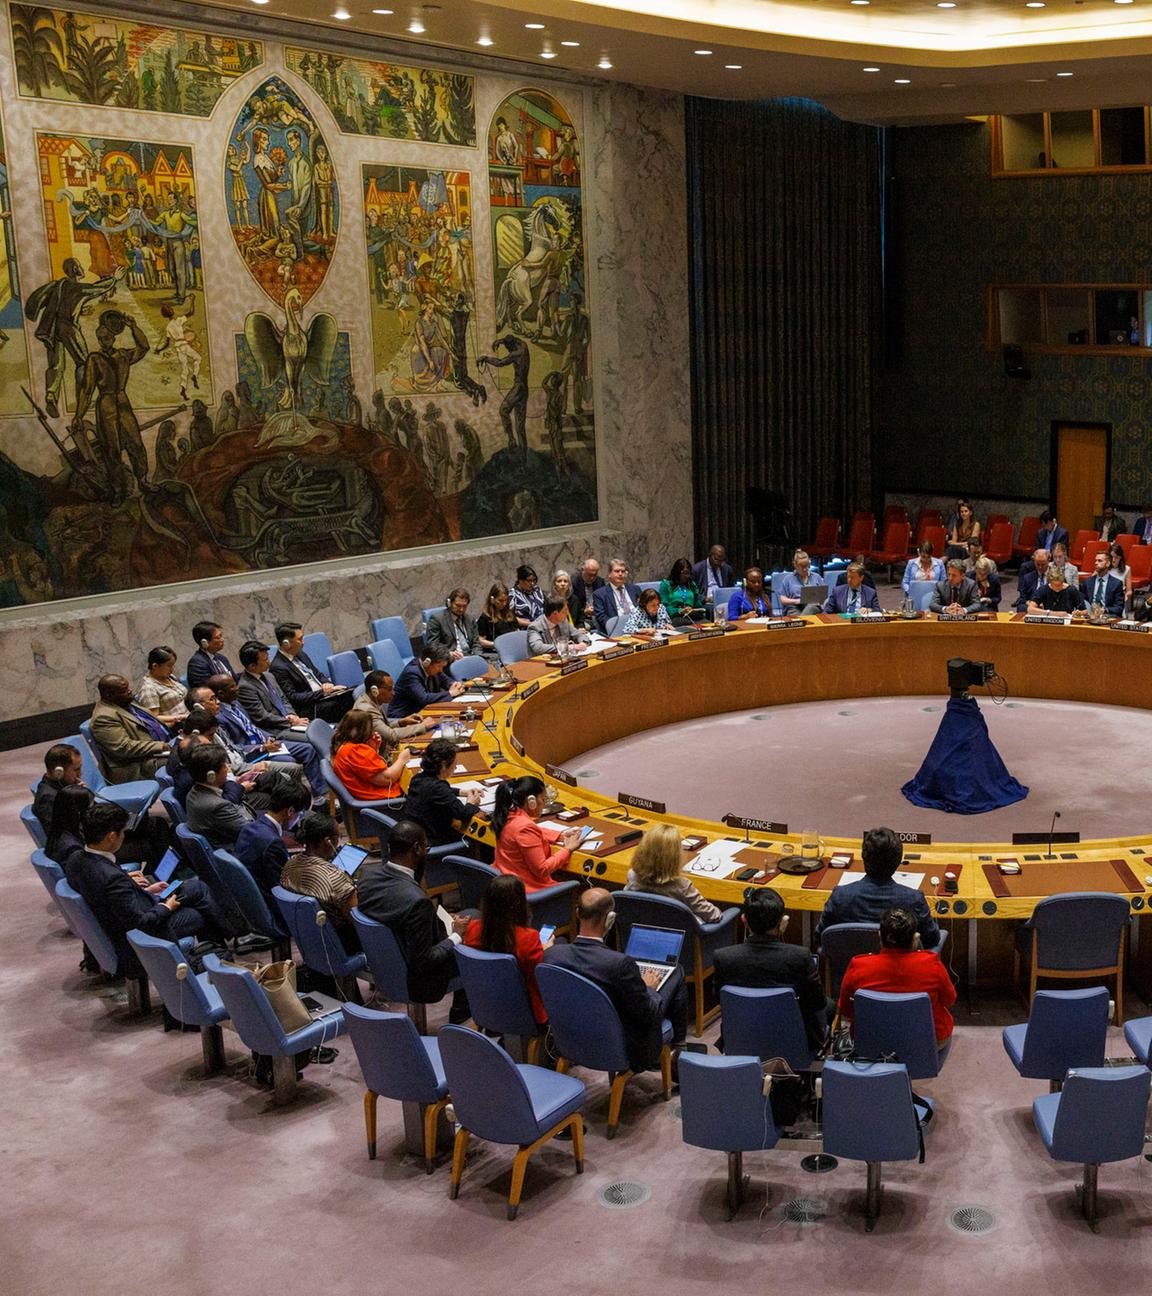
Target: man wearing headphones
(209, 812)
(374, 701)
(254, 737)
(308, 690)
(63, 768)
(454, 628)
(423, 682)
(208, 659)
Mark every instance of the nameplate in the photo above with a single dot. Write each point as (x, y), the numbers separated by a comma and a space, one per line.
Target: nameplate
(532, 688)
(1133, 627)
(756, 825)
(956, 616)
(625, 650)
(915, 839)
(1043, 838)
(517, 746)
(560, 775)
(641, 803)
(656, 643)
(705, 634)
(789, 623)
(570, 668)
(863, 618)
(1034, 618)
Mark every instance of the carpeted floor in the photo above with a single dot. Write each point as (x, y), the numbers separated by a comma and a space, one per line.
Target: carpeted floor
(126, 1173)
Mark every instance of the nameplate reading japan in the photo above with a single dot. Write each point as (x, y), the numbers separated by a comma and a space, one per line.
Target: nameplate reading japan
(560, 775)
(571, 668)
(642, 803)
(625, 650)
(532, 688)
(915, 839)
(656, 643)
(517, 745)
(756, 825)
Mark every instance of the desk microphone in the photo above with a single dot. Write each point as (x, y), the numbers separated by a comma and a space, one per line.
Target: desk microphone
(1052, 833)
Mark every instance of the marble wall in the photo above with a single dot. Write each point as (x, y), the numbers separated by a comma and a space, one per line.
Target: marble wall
(636, 209)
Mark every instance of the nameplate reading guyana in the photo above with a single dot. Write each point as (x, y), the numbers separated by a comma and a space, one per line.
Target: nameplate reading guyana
(792, 623)
(756, 825)
(641, 803)
(570, 668)
(705, 634)
(532, 688)
(517, 746)
(625, 650)
(915, 839)
(656, 643)
(560, 775)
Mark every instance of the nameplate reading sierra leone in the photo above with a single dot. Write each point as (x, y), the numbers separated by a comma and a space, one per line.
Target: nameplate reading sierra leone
(647, 647)
(706, 634)
(788, 623)
(560, 775)
(517, 746)
(625, 650)
(641, 803)
(570, 668)
(532, 688)
(756, 825)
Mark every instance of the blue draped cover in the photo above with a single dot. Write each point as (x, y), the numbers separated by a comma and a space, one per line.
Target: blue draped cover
(963, 772)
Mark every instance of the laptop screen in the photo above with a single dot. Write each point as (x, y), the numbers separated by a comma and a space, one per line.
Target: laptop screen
(654, 944)
(167, 866)
(349, 858)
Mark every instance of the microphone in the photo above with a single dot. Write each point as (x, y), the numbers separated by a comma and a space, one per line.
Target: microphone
(1051, 833)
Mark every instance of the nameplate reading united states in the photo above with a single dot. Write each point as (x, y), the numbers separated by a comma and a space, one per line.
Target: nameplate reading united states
(570, 668)
(625, 650)
(532, 688)
(656, 643)
(560, 775)
(1134, 627)
(641, 803)
(756, 825)
(517, 746)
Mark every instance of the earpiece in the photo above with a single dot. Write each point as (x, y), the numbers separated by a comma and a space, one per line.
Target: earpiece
(321, 919)
(530, 801)
(373, 691)
(58, 772)
(204, 644)
(210, 778)
(285, 642)
(182, 971)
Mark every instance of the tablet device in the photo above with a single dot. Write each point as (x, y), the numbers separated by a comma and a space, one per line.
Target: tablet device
(349, 858)
(167, 866)
(171, 889)
(547, 932)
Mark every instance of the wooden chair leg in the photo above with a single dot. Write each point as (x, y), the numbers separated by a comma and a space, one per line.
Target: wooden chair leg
(284, 1077)
(533, 1049)
(666, 1071)
(431, 1118)
(577, 1126)
(370, 1122)
(562, 1066)
(615, 1099)
(698, 996)
(459, 1152)
(519, 1166)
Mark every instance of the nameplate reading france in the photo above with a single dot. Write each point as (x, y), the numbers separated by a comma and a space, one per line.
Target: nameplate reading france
(915, 839)
(625, 650)
(756, 825)
(532, 688)
(642, 803)
(656, 643)
(570, 668)
(560, 775)
(517, 746)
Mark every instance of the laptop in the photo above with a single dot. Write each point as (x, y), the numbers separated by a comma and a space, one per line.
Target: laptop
(812, 594)
(349, 858)
(655, 949)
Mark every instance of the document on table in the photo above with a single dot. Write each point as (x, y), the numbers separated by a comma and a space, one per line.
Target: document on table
(912, 880)
(757, 620)
(716, 859)
(594, 838)
(471, 697)
(487, 795)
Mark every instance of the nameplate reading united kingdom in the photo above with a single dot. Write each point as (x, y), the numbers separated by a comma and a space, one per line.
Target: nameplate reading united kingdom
(642, 803)
(517, 746)
(656, 643)
(560, 775)
(625, 650)
(532, 688)
(570, 668)
(705, 634)
(1035, 618)
(788, 623)
(756, 825)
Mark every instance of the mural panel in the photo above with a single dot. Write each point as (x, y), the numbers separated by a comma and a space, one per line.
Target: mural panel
(371, 98)
(280, 185)
(124, 63)
(13, 345)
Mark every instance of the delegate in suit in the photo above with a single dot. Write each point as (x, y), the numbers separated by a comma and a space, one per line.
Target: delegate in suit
(550, 631)
(955, 592)
(133, 743)
(616, 598)
(454, 628)
(866, 900)
(854, 595)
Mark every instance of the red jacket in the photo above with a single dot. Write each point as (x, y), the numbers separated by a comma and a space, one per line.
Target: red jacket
(902, 972)
(524, 850)
(529, 952)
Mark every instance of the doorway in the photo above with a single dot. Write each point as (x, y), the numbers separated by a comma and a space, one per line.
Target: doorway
(1081, 469)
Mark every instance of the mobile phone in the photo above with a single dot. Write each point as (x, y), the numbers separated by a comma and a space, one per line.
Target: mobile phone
(547, 932)
(746, 874)
(131, 868)
(170, 890)
(313, 1005)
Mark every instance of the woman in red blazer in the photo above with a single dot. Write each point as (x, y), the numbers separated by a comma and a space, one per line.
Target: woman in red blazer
(503, 928)
(523, 847)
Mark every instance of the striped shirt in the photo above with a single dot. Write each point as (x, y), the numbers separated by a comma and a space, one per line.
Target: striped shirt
(311, 876)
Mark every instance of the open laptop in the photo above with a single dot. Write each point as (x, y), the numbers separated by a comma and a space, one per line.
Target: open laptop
(655, 949)
(349, 858)
(811, 594)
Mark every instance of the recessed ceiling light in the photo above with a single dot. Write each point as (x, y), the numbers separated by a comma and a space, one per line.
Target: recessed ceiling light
(945, 4)
(605, 64)
(1033, 4)
(547, 53)
(416, 27)
(260, 1)
(384, 13)
(484, 40)
(701, 51)
(1123, 1)
(1063, 74)
(341, 15)
(733, 67)
(1037, 80)
(571, 44)
(534, 26)
(947, 85)
(860, 2)
(869, 69)
(902, 81)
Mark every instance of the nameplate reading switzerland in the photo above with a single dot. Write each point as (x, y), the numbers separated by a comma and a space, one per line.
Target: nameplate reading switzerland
(756, 825)
(915, 839)
(570, 668)
(517, 745)
(642, 803)
(625, 650)
(560, 775)
(656, 643)
(532, 688)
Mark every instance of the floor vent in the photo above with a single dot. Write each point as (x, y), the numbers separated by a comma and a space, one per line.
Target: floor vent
(971, 1219)
(931, 709)
(846, 713)
(622, 1194)
(804, 1210)
(758, 717)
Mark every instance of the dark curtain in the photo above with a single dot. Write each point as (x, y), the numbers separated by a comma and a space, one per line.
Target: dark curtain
(785, 221)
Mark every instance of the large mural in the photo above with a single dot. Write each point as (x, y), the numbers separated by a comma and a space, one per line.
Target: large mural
(426, 379)
(124, 63)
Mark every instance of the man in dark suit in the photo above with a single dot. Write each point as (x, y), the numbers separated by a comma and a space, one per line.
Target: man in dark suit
(588, 581)
(210, 813)
(208, 659)
(1142, 527)
(1104, 588)
(765, 960)
(260, 695)
(712, 573)
(617, 598)
(454, 628)
(260, 846)
(875, 893)
(255, 742)
(853, 596)
(391, 894)
(63, 767)
(423, 682)
(1051, 532)
(869, 579)
(955, 593)
(1033, 576)
(308, 690)
(642, 1010)
(1110, 524)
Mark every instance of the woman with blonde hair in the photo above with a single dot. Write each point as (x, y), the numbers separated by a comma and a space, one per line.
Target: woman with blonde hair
(562, 589)
(656, 870)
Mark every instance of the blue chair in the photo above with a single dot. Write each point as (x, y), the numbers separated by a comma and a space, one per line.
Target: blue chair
(550, 906)
(398, 1062)
(429, 613)
(898, 1026)
(722, 596)
(164, 779)
(344, 668)
(647, 585)
(725, 1109)
(318, 646)
(34, 826)
(135, 797)
(765, 1024)
(386, 657)
(318, 943)
(468, 668)
(869, 1116)
(512, 647)
(1137, 1033)
(388, 969)
(840, 943)
(1066, 1029)
(319, 734)
(187, 995)
(587, 1032)
(1098, 1117)
(439, 876)
(249, 899)
(353, 810)
(50, 873)
(172, 807)
(197, 852)
(113, 961)
(507, 1102)
(701, 940)
(497, 996)
(393, 627)
(1076, 936)
(921, 593)
(259, 1028)
(614, 625)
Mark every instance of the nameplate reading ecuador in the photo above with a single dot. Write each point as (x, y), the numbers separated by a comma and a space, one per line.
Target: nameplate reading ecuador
(915, 839)
(570, 668)
(625, 650)
(706, 634)
(647, 647)
(756, 825)
(532, 688)
(560, 775)
(788, 623)
(641, 803)
(517, 745)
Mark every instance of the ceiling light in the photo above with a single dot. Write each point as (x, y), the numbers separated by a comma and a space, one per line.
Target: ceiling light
(733, 67)
(1037, 80)
(571, 44)
(605, 64)
(947, 85)
(861, 2)
(384, 13)
(1034, 4)
(1123, 1)
(341, 15)
(416, 27)
(547, 53)
(701, 51)
(534, 26)
(1062, 74)
(484, 40)
(902, 81)
(945, 4)
(260, 1)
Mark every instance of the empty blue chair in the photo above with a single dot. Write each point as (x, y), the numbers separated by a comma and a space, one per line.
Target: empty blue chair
(249, 899)
(386, 657)
(839, 945)
(1138, 1034)
(701, 939)
(344, 668)
(722, 596)
(259, 1028)
(550, 906)
(172, 807)
(135, 796)
(507, 1102)
(318, 646)
(1065, 1029)
(468, 668)
(34, 826)
(587, 1032)
(113, 961)
(393, 627)
(50, 873)
(187, 995)
(765, 1024)
(497, 996)
(725, 1109)
(921, 593)
(197, 852)
(1098, 1117)
(1077, 936)
(398, 1062)
(319, 734)
(899, 1026)
(317, 941)
(439, 875)
(869, 1116)
(512, 647)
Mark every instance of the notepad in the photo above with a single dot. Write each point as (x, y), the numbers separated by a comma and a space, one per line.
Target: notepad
(912, 880)
(716, 859)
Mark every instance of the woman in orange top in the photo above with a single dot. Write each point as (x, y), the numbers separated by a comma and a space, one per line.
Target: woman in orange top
(358, 763)
(503, 928)
(523, 848)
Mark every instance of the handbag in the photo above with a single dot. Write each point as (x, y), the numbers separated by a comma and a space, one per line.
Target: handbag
(278, 981)
(785, 1092)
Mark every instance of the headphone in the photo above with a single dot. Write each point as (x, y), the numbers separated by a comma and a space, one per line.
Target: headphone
(374, 690)
(210, 778)
(609, 921)
(204, 644)
(530, 800)
(58, 772)
(285, 642)
(182, 971)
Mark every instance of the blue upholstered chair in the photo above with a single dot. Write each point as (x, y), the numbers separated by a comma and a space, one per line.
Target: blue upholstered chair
(388, 968)
(512, 647)
(172, 807)
(385, 656)
(839, 945)
(135, 796)
(318, 646)
(765, 1024)
(393, 627)
(352, 809)
(725, 1109)
(115, 960)
(259, 1028)
(507, 1102)
(317, 941)
(439, 875)
(249, 899)
(899, 1026)
(497, 996)
(614, 625)
(188, 996)
(1099, 1116)
(197, 851)
(1065, 1029)
(164, 779)
(587, 1031)
(467, 668)
(34, 827)
(550, 906)
(921, 593)
(319, 734)
(1137, 1033)
(1076, 936)
(50, 873)
(397, 1062)
(869, 1116)
(722, 596)
(701, 939)
(344, 668)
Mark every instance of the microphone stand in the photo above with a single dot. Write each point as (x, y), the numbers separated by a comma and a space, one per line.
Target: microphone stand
(1052, 833)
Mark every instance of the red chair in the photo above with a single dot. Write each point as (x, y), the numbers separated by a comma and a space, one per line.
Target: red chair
(994, 519)
(1082, 539)
(1087, 563)
(1025, 545)
(1127, 541)
(939, 538)
(894, 513)
(895, 547)
(998, 545)
(1140, 565)
(862, 536)
(827, 538)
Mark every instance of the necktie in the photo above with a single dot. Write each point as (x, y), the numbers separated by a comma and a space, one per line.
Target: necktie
(854, 601)
(221, 667)
(1098, 597)
(149, 721)
(309, 675)
(274, 694)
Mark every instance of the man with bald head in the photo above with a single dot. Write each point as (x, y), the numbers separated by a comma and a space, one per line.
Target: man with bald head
(133, 744)
(642, 1010)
